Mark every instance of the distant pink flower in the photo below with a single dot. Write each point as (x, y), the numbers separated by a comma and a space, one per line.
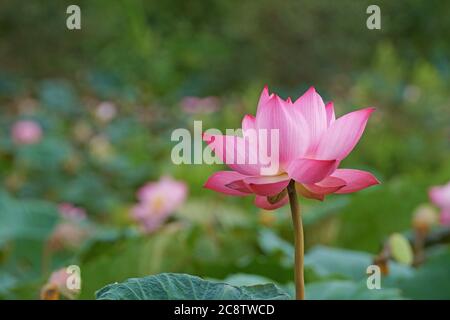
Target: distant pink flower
(157, 201)
(69, 211)
(196, 105)
(440, 196)
(312, 143)
(106, 111)
(445, 217)
(26, 132)
(59, 278)
(70, 232)
(57, 285)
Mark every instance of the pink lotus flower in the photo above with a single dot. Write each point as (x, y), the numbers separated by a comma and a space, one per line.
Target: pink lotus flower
(69, 211)
(440, 196)
(57, 285)
(71, 232)
(157, 201)
(26, 132)
(68, 235)
(312, 143)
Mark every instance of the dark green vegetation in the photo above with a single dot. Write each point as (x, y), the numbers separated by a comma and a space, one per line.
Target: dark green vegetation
(145, 56)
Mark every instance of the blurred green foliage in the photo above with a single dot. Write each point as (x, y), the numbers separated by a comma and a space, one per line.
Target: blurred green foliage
(145, 56)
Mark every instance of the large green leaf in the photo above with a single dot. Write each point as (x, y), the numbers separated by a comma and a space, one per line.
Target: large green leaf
(7, 281)
(348, 290)
(329, 263)
(24, 227)
(172, 286)
(25, 219)
(271, 243)
(245, 279)
(432, 279)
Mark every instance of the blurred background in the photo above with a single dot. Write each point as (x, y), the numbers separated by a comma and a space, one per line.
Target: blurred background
(87, 115)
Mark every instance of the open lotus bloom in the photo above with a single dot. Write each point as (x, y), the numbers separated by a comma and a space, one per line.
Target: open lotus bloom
(440, 196)
(310, 143)
(157, 201)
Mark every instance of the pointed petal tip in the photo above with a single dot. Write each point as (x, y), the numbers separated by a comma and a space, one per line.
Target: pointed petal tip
(369, 110)
(248, 117)
(356, 180)
(274, 98)
(311, 93)
(248, 122)
(207, 184)
(373, 181)
(376, 181)
(264, 96)
(311, 89)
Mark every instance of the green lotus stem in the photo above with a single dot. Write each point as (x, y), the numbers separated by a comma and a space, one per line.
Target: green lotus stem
(298, 240)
